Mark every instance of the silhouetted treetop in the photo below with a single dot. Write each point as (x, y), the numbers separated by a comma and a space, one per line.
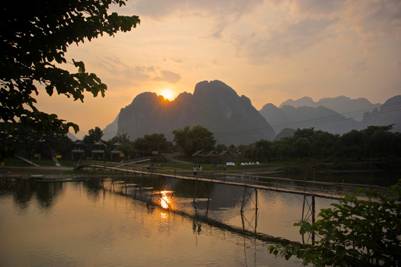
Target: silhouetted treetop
(94, 135)
(34, 38)
(192, 139)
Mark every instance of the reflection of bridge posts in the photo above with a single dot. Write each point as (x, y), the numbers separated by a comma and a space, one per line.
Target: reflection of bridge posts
(198, 219)
(308, 215)
(194, 197)
(246, 198)
(196, 225)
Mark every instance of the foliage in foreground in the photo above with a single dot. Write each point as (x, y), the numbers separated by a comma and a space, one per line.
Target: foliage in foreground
(353, 233)
(34, 39)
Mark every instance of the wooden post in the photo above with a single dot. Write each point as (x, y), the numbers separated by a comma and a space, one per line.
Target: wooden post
(256, 209)
(303, 218)
(243, 200)
(313, 218)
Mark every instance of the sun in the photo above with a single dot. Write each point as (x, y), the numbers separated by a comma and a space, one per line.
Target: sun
(168, 94)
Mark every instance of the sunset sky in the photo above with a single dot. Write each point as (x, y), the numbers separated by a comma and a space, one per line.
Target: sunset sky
(268, 50)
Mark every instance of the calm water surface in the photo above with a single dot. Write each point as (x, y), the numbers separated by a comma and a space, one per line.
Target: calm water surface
(80, 224)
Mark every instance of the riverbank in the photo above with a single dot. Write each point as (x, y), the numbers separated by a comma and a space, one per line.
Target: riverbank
(352, 172)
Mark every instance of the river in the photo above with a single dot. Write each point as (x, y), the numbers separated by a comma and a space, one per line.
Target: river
(103, 223)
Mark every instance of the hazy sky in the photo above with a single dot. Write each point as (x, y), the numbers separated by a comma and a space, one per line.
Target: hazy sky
(269, 50)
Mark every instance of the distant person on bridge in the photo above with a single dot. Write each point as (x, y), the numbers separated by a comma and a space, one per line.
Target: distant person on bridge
(194, 170)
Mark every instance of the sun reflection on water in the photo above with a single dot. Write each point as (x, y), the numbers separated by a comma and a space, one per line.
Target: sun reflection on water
(165, 199)
(163, 215)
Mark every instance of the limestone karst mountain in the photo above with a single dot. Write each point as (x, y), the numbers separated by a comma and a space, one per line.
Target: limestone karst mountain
(305, 101)
(234, 120)
(387, 114)
(349, 107)
(320, 118)
(323, 115)
(110, 130)
(214, 105)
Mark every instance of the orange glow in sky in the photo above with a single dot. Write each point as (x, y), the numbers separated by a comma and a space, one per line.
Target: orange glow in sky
(267, 50)
(168, 94)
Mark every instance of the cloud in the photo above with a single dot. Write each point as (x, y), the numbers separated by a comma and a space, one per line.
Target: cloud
(375, 17)
(317, 7)
(221, 12)
(168, 76)
(285, 42)
(119, 73)
(161, 8)
(359, 66)
(283, 28)
(368, 15)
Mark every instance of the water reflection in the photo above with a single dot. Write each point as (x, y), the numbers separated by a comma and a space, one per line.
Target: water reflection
(227, 207)
(128, 232)
(46, 193)
(94, 186)
(166, 199)
(23, 191)
(267, 215)
(163, 215)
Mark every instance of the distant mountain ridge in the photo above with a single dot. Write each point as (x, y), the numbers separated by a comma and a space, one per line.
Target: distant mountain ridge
(387, 114)
(321, 115)
(320, 118)
(213, 105)
(353, 108)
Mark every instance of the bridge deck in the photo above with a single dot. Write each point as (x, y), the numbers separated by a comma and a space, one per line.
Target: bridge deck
(233, 183)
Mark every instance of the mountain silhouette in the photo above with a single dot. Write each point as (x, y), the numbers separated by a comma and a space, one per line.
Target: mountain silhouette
(110, 130)
(213, 105)
(320, 118)
(305, 101)
(234, 120)
(349, 107)
(387, 114)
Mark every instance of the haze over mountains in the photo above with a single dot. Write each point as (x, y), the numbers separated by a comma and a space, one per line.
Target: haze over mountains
(386, 114)
(335, 115)
(234, 120)
(348, 107)
(320, 117)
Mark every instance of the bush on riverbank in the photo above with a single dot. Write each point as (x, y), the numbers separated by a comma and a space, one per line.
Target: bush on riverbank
(352, 233)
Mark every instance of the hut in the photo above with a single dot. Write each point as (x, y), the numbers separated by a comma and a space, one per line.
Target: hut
(78, 150)
(98, 151)
(116, 153)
